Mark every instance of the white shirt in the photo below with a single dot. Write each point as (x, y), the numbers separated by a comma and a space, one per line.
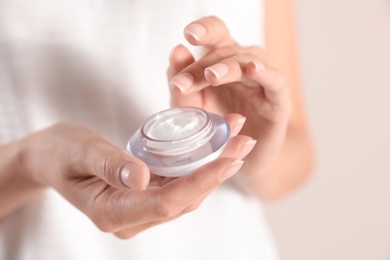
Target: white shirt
(103, 63)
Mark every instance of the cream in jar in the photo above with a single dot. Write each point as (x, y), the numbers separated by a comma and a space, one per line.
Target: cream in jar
(179, 140)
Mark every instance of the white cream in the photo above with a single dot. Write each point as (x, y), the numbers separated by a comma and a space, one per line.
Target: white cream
(176, 126)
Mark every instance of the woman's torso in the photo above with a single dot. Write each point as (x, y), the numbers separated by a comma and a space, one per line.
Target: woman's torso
(103, 63)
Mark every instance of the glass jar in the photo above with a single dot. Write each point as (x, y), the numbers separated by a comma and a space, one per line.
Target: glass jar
(176, 141)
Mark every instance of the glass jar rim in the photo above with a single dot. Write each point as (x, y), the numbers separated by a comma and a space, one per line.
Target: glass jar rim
(180, 145)
(152, 119)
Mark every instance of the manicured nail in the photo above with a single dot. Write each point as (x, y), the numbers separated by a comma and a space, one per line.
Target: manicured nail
(195, 30)
(173, 51)
(131, 175)
(231, 169)
(182, 82)
(218, 70)
(258, 65)
(247, 147)
(238, 126)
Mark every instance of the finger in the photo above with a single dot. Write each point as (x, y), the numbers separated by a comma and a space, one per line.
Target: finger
(248, 69)
(179, 58)
(115, 166)
(142, 207)
(210, 32)
(192, 78)
(239, 147)
(187, 189)
(271, 80)
(130, 232)
(230, 70)
(236, 122)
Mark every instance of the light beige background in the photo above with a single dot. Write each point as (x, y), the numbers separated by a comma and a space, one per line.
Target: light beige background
(344, 211)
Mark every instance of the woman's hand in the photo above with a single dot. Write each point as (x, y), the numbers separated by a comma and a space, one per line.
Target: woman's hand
(233, 79)
(109, 185)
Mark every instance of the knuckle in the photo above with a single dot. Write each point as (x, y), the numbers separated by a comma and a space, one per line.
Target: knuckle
(222, 53)
(108, 165)
(279, 80)
(165, 211)
(216, 20)
(252, 56)
(205, 188)
(202, 185)
(105, 226)
(191, 208)
(104, 223)
(257, 51)
(197, 66)
(226, 52)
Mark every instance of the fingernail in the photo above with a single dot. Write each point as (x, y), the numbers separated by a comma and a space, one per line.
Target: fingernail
(131, 175)
(171, 54)
(247, 147)
(238, 126)
(218, 70)
(258, 65)
(231, 169)
(182, 82)
(195, 30)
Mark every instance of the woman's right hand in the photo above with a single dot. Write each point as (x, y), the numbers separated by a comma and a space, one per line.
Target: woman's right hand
(111, 187)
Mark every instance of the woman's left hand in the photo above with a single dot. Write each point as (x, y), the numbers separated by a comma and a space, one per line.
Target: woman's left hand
(233, 79)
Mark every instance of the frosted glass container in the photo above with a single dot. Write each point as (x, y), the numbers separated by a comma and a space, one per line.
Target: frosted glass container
(177, 141)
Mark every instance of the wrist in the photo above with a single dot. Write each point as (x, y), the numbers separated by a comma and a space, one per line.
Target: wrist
(17, 188)
(25, 158)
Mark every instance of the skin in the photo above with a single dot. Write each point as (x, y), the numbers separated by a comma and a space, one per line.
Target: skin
(233, 79)
(297, 158)
(86, 169)
(117, 192)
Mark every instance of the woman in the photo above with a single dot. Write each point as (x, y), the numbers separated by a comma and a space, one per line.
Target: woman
(101, 64)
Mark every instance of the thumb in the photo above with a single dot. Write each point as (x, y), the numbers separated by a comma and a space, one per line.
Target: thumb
(119, 169)
(135, 174)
